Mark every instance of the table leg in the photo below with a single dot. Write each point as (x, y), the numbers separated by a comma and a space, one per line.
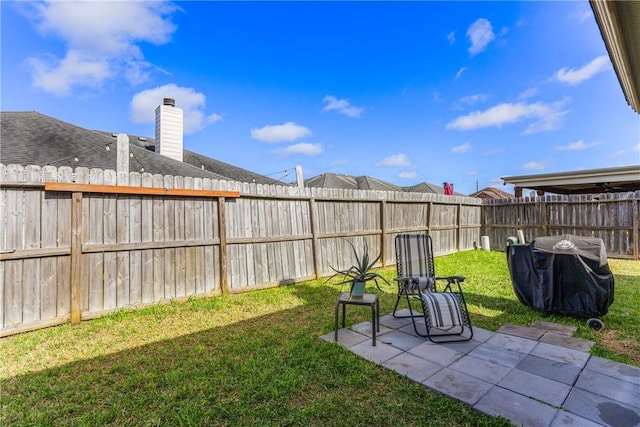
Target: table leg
(373, 323)
(335, 322)
(378, 314)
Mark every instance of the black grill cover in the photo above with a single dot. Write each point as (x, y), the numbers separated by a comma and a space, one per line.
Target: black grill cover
(562, 274)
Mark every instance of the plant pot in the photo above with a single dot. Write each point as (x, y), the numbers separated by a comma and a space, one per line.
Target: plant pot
(357, 289)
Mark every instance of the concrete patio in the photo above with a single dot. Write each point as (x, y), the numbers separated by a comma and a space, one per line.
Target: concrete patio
(538, 376)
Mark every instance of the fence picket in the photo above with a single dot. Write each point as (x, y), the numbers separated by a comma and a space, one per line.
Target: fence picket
(110, 224)
(96, 236)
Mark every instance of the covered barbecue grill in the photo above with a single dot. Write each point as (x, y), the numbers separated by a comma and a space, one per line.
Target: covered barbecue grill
(564, 274)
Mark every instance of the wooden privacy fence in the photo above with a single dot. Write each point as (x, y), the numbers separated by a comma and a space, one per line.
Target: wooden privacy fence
(74, 246)
(612, 217)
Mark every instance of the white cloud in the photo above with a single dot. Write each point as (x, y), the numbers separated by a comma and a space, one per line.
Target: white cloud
(493, 151)
(577, 76)
(637, 147)
(460, 71)
(451, 37)
(459, 149)
(342, 106)
(192, 103)
(529, 93)
(395, 160)
(213, 118)
(480, 34)
(578, 145)
(474, 99)
(289, 131)
(407, 174)
(533, 165)
(303, 148)
(102, 42)
(59, 76)
(545, 117)
(472, 173)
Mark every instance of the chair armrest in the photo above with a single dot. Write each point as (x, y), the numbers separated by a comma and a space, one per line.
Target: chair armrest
(452, 280)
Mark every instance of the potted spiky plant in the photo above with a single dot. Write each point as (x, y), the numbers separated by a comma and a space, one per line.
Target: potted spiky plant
(360, 273)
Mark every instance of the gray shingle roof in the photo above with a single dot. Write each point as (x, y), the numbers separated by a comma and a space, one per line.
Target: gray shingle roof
(205, 163)
(32, 138)
(492, 193)
(348, 182)
(427, 187)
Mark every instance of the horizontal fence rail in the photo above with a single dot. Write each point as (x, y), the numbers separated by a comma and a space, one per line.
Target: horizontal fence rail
(77, 244)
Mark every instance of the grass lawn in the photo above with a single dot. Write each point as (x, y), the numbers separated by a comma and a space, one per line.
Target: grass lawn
(256, 359)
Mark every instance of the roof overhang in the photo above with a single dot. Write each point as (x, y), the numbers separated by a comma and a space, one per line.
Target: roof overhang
(587, 181)
(619, 23)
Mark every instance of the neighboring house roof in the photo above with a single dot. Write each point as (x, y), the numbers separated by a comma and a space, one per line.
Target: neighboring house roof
(32, 138)
(492, 193)
(427, 187)
(348, 182)
(586, 181)
(205, 163)
(619, 23)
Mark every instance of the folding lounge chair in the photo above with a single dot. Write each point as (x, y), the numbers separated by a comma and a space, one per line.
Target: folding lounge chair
(445, 312)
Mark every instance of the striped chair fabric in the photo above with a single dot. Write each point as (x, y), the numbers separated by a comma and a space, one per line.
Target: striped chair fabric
(443, 309)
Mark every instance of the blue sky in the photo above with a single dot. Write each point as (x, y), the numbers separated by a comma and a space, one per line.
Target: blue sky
(406, 92)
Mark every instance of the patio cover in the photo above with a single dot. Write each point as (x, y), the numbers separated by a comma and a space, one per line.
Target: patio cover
(619, 23)
(586, 181)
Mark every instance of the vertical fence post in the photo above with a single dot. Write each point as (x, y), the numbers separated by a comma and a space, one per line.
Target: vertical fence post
(314, 237)
(222, 226)
(543, 217)
(383, 228)
(459, 237)
(485, 229)
(76, 257)
(636, 229)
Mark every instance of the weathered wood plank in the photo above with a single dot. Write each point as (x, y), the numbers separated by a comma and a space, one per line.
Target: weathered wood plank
(3, 241)
(149, 191)
(251, 219)
(135, 236)
(31, 286)
(223, 261)
(209, 218)
(78, 283)
(146, 235)
(169, 235)
(96, 235)
(198, 235)
(189, 234)
(65, 233)
(14, 238)
(48, 220)
(123, 232)
(158, 236)
(110, 224)
(180, 270)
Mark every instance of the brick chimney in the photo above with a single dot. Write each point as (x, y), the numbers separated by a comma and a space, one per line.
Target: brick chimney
(169, 129)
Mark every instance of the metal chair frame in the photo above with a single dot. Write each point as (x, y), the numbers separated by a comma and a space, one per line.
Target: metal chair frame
(416, 276)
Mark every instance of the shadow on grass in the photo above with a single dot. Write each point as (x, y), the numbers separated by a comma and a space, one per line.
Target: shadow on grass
(265, 370)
